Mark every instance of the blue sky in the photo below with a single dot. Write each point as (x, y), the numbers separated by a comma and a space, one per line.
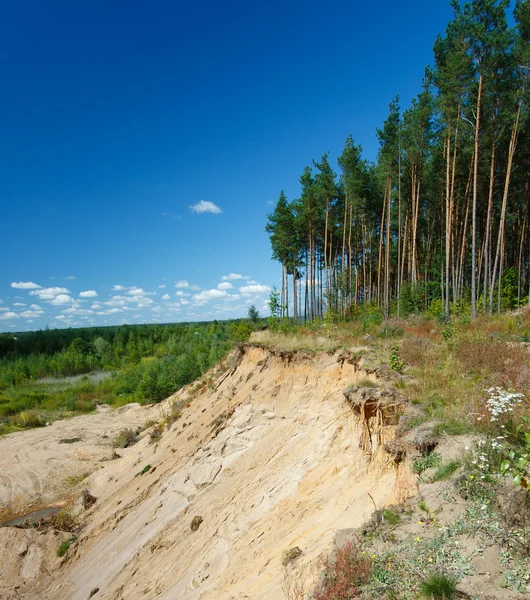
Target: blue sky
(144, 143)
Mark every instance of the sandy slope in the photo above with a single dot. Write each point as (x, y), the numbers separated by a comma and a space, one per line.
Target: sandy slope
(283, 469)
(35, 465)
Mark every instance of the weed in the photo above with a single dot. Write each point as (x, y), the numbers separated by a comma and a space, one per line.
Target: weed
(390, 516)
(125, 439)
(344, 574)
(74, 480)
(438, 586)
(145, 469)
(65, 520)
(156, 433)
(445, 470)
(290, 555)
(63, 548)
(70, 440)
(430, 460)
(28, 419)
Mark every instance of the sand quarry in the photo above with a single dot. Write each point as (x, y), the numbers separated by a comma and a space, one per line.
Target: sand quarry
(267, 453)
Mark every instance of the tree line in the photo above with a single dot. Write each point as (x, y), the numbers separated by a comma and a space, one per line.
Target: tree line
(442, 217)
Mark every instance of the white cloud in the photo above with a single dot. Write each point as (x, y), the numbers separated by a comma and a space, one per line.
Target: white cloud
(88, 294)
(70, 277)
(166, 297)
(9, 315)
(77, 311)
(205, 206)
(30, 314)
(3, 308)
(119, 288)
(181, 294)
(162, 286)
(19, 304)
(254, 289)
(136, 291)
(208, 295)
(182, 284)
(25, 285)
(234, 276)
(49, 293)
(226, 285)
(184, 302)
(96, 306)
(60, 318)
(35, 307)
(61, 299)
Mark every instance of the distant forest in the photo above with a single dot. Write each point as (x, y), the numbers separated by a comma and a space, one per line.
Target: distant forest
(189, 349)
(442, 219)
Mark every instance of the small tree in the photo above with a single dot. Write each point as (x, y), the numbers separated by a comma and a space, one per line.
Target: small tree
(253, 314)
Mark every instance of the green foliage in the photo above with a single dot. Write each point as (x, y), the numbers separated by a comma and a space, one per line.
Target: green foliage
(429, 461)
(63, 548)
(145, 470)
(438, 586)
(149, 363)
(253, 314)
(396, 362)
(446, 470)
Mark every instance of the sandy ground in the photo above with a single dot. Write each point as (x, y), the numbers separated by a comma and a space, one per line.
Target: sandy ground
(267, 455)
(35, 465)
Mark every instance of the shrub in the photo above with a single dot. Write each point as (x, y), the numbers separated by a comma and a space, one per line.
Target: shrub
(65, 520)
(343, 574)
(438, 586)
(63, 548)
(124, 439)
(28, 419)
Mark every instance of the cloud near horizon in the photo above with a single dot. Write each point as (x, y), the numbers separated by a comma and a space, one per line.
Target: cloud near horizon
(204, 206)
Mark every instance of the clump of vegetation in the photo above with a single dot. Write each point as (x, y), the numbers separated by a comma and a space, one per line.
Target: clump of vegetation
(429, 461)
(63, 548)
(344, 574)
(65, 520)
(196, 523)
(28, 419)
(438, 586)
(156, 433)
(446, 470)
(72, 440)
(290, 555)
(396, 362)
(125, 439)
(145, 470)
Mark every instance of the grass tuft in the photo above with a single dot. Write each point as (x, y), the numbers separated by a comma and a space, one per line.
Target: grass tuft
(438, 586)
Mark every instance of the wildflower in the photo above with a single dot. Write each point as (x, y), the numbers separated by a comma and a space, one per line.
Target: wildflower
(430, 559)
(471, 477)
(417, 539)
(373, 555)
(483, 507)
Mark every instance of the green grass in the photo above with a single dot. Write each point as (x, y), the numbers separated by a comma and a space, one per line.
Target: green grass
(446, 470)
(63, 548)
(438, 586)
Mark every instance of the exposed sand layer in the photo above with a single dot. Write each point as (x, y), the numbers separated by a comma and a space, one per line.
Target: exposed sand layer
(268, 455)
